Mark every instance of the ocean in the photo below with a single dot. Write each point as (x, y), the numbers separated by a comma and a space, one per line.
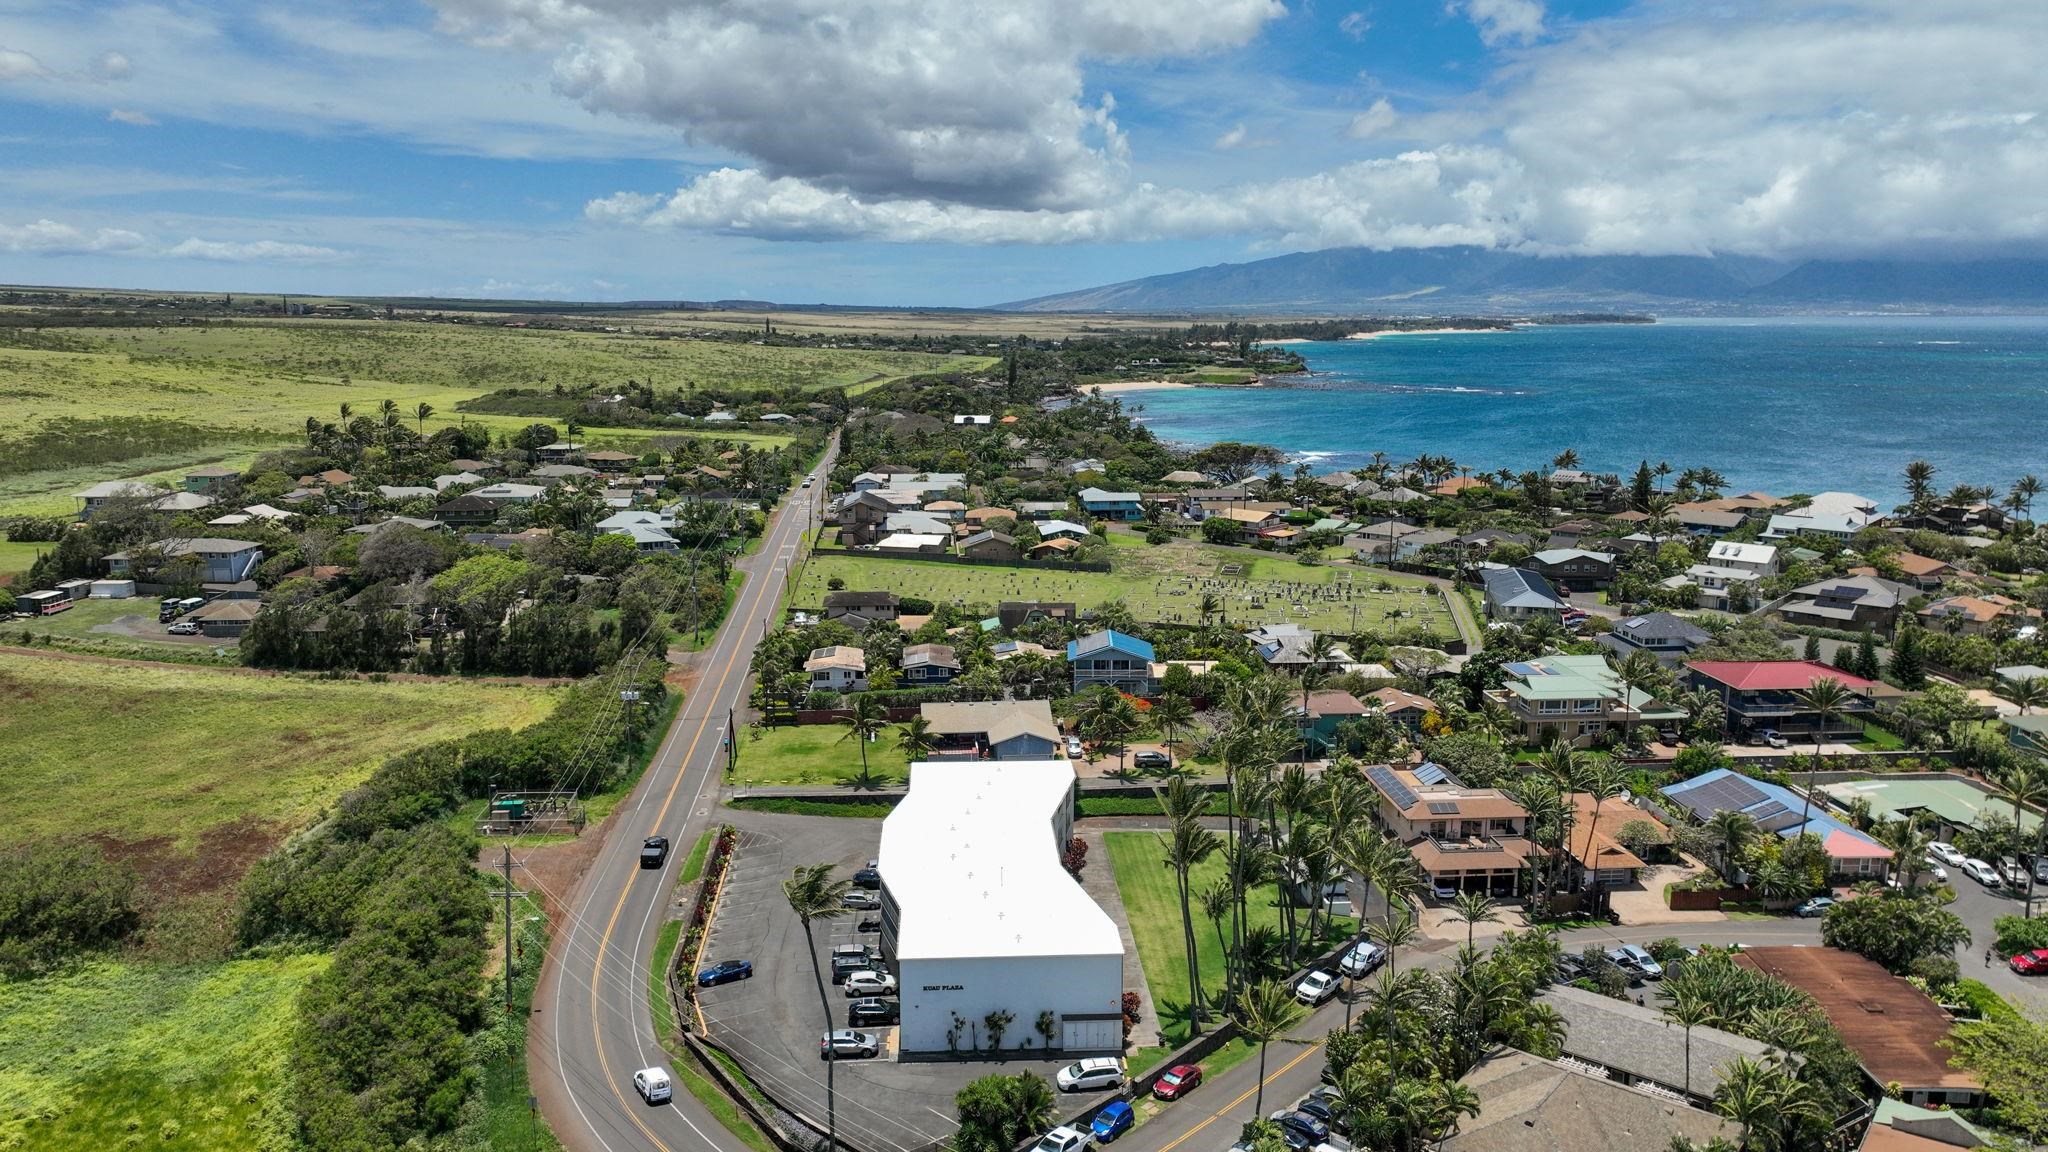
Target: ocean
(1783, 405)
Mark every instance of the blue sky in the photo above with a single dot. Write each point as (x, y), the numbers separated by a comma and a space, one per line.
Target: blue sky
(939, 152)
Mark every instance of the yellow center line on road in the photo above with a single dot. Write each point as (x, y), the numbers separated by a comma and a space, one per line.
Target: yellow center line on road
(604, 942)
(1245, 1095)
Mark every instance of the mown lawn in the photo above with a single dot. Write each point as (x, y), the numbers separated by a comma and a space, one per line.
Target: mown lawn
(1160, 583)
(1152, 903)
(16, 556)
(815, 754)
(141, 752)
(112, 1055)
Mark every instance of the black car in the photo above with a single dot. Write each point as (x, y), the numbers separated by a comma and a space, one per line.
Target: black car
(867, 878)
(725, 972)
(1570, 968)
(1297, 1140)
(1152, 761)
(869, 924)
(844, 966)
(654, 852)
(1307, 1125)
(872, 1011)
(1319, 1108)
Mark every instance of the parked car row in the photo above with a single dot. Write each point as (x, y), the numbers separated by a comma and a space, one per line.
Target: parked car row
(1100, 1074)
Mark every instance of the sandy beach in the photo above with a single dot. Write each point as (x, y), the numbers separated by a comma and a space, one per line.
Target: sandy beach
(1424, 332)
(1115, 386)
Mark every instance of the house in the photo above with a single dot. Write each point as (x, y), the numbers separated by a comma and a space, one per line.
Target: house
(1707, 521)
(1317, 723)
(1515, 594)
(1901, 1127)
(1062, 529)
(114, 491)
(1461, 839)
(1206, 502)
(862, 515)
(1595, 845)
(332, 478)
(839, 668)
(2027, 733)
(928, 664)
(1765, 694)
(1895, 1031)
(607, 460)
(1634, 1044)
(1183, 476)
(562, 472)
(1057, 549)
(509, 493)
(1761, 559)
(1922, 572)
(1943, 806)
(1852, 855)
(987, 545)
(913, 544)
(449, 480)
(1486, 539)
(1112, 658)
(210, 480)
(1529, 1104)
(1670, 638)
(1003, 650)
(1456, 485)
(1848, 602)
(1573, 699)
(1111, 505)
(999, 730)
(1405, 709)
(555, 453)
(1085, 464)
(857, 610)
(390, 522)
(629, 517)
(917, 524)
(949, 511)
(1385, 542)
(1038, 511)
(1573, 568)
(979, 517)
(1289, 648)
(221, 561)
(1014, 614)
(401, 492)
(1985, 615)
(1839, 515)
(226, 617)
(468, 509)
(1249, 521)
(1718, 587)
(646, 537)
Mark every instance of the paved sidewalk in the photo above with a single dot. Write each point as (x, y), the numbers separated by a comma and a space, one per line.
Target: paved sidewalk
(1098, 879)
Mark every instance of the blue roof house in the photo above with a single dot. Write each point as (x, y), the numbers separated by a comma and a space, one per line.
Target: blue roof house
(1112, 505)
(1851, 854)
(1112, 658)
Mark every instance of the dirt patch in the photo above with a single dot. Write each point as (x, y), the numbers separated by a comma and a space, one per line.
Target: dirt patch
(168, 875)
(550, 871)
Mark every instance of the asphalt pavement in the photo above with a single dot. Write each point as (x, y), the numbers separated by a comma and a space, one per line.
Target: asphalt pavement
(591, 1028)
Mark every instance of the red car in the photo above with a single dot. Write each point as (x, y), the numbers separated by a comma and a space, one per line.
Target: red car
(1178, 1081)
(2033, 963)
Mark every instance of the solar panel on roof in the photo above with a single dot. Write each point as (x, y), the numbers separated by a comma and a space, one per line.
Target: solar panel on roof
(1780, 821)
(1443, 807)
(1767, 811)
(1431, 773)
(1384, 779)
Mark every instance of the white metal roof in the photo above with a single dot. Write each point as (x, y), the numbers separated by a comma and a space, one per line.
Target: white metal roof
(972, 859)
(1737, 553)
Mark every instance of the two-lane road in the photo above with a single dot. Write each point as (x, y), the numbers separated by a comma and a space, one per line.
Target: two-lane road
(591, 1028)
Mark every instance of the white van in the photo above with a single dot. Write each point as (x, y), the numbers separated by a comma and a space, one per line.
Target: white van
(653, 1085)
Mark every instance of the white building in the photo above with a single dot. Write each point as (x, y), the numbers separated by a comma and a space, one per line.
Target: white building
(1761, 559)
(979, 917)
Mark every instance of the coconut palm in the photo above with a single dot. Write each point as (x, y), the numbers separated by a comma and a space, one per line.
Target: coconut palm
(420, 412)
(1187, 844)
(2027, 694)
(2022, 787)
(1908, 842)
(1735, 831)
(1602, 781)
(916, 738)
(1765, 1099)
(1827, 698)
(1919, 484)
(1689, 1013)
(1371, 857)
(2026, 488)
(1209, 606)
(1172, 712)
(867, 721)
(1266, 1010)
(1473, 909)
(814, 895)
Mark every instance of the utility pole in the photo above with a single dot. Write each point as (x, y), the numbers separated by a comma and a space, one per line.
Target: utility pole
(508, 928)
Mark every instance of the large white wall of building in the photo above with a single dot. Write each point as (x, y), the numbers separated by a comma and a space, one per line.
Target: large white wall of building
(936, 990)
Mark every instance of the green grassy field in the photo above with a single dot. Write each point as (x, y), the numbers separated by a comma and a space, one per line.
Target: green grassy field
(814, 754)
(129, 621)
(1158, 583)
(1153, 906)
(111, 1055)
(175, 759)
(15, 557)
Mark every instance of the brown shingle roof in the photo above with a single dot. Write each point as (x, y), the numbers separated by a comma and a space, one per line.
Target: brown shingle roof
(1891, 1026)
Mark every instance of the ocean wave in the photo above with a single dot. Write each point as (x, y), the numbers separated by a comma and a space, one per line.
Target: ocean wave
(1937, 341)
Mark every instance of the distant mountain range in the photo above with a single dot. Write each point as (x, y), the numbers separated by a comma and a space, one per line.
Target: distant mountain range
(1486, 281)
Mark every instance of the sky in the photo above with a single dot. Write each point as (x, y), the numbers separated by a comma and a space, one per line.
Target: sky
(966, 153)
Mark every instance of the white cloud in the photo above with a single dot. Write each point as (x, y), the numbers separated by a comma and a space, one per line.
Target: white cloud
(19, 65)
(929, 99)
(1355, 25)
(50, 238)
(1234, 138)
(1500, 21)
(47, 237)
(113, 66)
(248, 251)
(128, 116)
(1374, 121)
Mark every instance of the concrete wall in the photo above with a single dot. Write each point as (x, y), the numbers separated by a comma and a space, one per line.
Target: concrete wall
(934, 991)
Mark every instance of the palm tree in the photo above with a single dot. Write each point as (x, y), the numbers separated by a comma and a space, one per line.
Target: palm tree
(1569, 458)
(1689, 1012)
(1209, 606)
(1370, 856)
(1735, 830)
(1473, 909)
(867, 721)
(2027, 694)
(2026, 488)
(2021, 786)
(571, 432)
(1603, 782)
(347, 410)
(1827, 698)
(1188, 844)
(1266, 1010)
(814, 895)
(312, 431)
(1632, 674)
(1919, 484)
(1765, 1099)
(420, 412)
(916, 738)
(1172, 711)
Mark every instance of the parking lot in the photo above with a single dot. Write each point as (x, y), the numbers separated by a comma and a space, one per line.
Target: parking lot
(773, 1022)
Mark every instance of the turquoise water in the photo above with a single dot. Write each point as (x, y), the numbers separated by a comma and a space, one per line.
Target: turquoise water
(1784, 405)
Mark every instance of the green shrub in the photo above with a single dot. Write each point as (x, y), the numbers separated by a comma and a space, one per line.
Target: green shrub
(57, 900)
(2017, 934)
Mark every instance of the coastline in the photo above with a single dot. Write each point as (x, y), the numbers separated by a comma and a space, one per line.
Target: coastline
(1112, 387)
(1383, 332)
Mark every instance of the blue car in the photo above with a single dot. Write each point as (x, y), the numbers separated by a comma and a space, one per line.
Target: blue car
(1113, 1121)
(725, 972)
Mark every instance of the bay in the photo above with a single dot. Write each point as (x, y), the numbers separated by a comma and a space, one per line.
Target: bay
(1784, 405)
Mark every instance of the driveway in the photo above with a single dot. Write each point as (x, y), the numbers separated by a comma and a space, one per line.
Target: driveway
(772, 1022)
(1642, 903)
